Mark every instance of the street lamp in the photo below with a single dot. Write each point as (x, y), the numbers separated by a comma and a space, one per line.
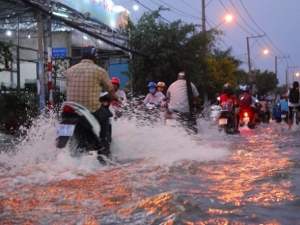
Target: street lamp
(228, 18)
(264, 52)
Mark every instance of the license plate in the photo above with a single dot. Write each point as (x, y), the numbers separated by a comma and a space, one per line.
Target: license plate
(223, 121)
(65, 130)
(283, 115)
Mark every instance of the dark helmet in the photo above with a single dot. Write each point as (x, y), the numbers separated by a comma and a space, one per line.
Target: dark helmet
(88, 52)
(295, 84)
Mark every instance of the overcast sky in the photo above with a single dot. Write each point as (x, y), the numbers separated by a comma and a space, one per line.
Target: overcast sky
(278, 20)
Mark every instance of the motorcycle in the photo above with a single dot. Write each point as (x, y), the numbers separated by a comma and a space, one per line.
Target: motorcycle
(214, 113)
(226, 120)
(81, 129)
(284, 115)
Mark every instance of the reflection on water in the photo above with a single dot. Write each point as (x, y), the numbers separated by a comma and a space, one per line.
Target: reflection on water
(161, 176)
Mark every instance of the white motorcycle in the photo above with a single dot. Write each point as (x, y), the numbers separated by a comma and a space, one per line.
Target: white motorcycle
(79, 127)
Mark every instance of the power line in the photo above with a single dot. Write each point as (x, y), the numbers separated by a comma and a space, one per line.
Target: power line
(151, 10)
(184, 13)
(259, 27)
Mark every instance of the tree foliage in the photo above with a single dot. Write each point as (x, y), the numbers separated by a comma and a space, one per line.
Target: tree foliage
(6, 55)
(265, 81)
(168, 46)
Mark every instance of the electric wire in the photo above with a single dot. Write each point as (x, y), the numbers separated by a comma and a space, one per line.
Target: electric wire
(184, 13)
(271, 49)
(151, 10)
(259, 27)
(234, 19)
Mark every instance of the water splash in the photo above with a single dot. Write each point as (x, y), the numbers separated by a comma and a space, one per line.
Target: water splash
(36, 158)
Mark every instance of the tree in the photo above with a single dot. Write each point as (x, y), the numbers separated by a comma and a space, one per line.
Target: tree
(6, 55)
(167, 46)
(265, 81)
(221, 69)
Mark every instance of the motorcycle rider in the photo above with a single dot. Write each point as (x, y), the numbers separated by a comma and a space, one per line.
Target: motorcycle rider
(120, 93)
(178, 102)
(264, 112)
(284, 104)
(178, 97)
(84, 82)
(228, 96)
(154, 96)
(293, 96)
(161, 87)
(245, 102)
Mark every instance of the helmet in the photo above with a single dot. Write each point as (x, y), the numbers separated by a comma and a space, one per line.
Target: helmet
(152, 84)
(161, 84)
(181, 75)
(88, 52)
(246, 88)
(227, 86)
(115, 80)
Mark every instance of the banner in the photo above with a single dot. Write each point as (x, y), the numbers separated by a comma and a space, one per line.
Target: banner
(104, 11)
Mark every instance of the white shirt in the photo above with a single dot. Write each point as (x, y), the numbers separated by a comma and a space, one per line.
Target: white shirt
(121, 95)
(177, 93)
(157, 98)
(292, 104)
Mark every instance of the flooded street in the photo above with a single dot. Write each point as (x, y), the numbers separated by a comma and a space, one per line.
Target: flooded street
(160, 175)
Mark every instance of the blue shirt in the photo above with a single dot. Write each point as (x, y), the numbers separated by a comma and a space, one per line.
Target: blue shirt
(284, 105)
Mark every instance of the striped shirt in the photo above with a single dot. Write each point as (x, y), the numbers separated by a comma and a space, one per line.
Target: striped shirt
(84, 82)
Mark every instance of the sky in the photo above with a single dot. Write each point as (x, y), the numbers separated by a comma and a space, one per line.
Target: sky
(276, 21)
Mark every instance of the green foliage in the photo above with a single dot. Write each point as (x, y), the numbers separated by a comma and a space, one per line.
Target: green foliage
(18, 108)
(168, 46)
(265, 81)
(6, 55)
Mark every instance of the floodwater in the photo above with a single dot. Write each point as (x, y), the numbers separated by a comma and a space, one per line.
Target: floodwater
(159, 175)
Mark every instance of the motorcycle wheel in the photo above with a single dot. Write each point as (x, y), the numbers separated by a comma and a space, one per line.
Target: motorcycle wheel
(62, 141)
(229, 129)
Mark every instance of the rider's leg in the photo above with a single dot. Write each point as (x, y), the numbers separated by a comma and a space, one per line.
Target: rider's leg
(102, 115)
(290, 117)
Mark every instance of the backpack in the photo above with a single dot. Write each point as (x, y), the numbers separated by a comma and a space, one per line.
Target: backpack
(294, 96)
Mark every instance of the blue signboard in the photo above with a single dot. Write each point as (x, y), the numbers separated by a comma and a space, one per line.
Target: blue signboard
(59, 52)
(105, 11)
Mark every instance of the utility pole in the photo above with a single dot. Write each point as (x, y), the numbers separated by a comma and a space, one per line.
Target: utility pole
(249, 61)
(41, 77)
(49, 66)
(203, 16)
(18, 50)
(276, 66)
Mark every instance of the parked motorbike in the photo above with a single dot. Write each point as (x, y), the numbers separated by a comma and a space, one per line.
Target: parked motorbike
(81, 129)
